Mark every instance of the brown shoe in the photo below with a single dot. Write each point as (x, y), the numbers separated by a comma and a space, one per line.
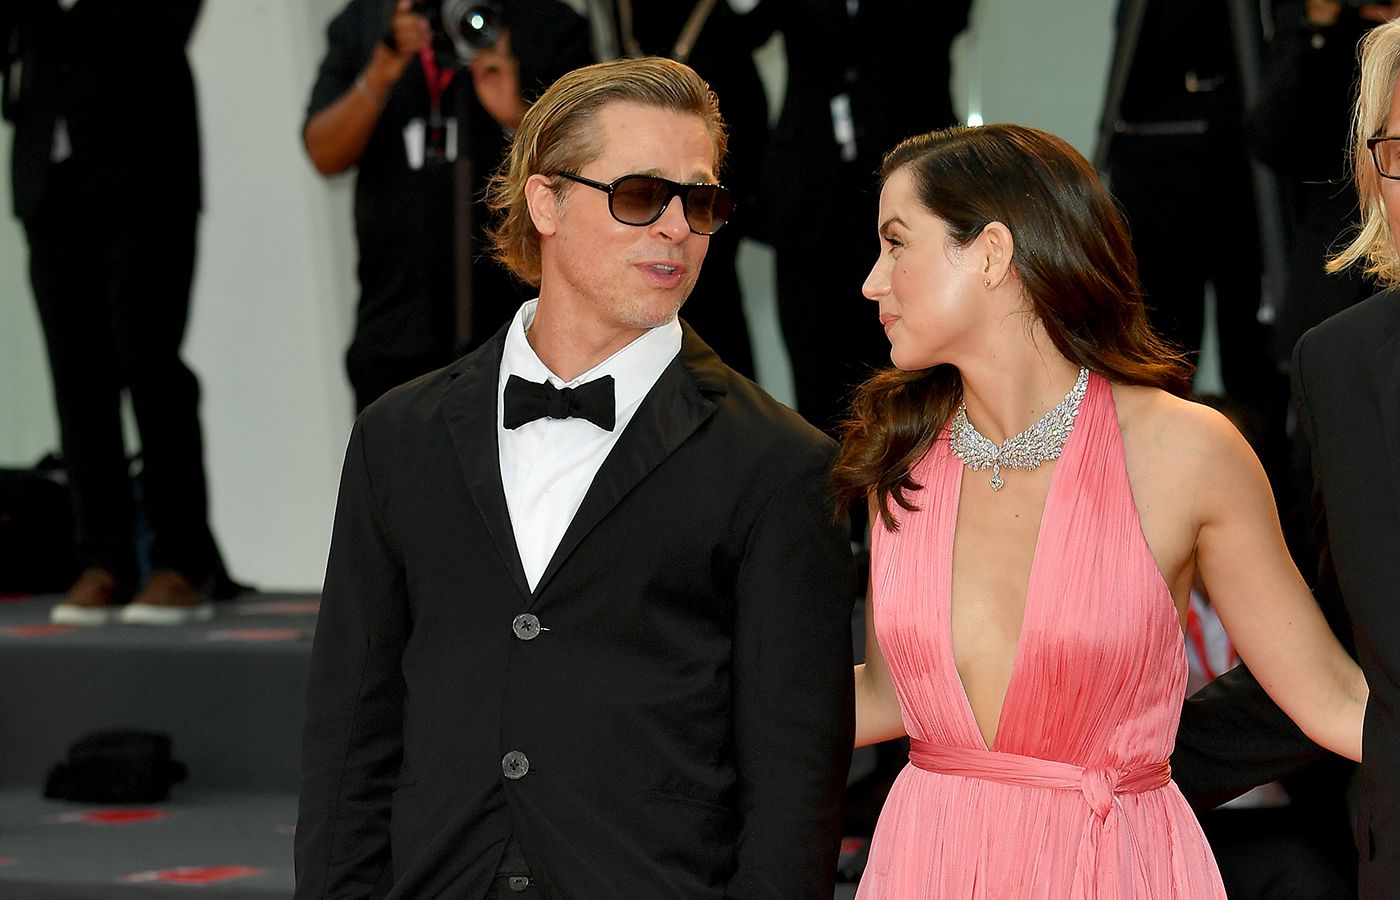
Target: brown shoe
(92, 599)
(169, 598)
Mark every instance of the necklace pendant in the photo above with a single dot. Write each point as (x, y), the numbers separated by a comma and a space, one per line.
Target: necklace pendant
(997, 481)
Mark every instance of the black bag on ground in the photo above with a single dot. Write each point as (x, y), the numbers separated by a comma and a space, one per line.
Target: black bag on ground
(37, 551)
(116, 767)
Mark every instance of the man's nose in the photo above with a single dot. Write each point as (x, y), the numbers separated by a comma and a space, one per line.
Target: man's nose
(672, 222)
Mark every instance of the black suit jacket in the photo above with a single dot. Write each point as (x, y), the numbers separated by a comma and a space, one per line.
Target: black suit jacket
(116, 73)
(1347, 390)
(687, 714)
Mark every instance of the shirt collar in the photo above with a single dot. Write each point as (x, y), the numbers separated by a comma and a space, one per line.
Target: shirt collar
(634, 368)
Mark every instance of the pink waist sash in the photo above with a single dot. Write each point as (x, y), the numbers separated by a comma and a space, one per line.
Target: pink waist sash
(1105, 864)
(1097, 785)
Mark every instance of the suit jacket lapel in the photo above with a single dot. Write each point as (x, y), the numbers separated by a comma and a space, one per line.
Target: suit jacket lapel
(469, 409)
(679, 402)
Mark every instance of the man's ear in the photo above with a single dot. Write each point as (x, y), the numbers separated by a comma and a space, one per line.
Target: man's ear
(995, 249)
(543, 204)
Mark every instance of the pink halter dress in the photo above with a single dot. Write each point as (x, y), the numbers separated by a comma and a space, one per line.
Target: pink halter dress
(1075, 798)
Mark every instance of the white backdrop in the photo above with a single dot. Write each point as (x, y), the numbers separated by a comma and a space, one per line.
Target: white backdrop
(274, 285)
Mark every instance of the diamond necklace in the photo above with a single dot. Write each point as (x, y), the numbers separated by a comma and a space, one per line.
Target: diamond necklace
(1040, 443)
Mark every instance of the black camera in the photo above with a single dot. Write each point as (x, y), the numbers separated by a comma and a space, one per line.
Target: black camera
(461, 28)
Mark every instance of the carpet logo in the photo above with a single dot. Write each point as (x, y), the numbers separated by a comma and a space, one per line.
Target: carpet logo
(258, 634)
(114, 816)
(279, 608)
(193, 876)
(36, 630)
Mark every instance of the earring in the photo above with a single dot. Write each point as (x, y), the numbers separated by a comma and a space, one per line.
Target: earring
(986, 282)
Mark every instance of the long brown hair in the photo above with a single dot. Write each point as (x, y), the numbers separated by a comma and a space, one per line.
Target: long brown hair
(1074, 260)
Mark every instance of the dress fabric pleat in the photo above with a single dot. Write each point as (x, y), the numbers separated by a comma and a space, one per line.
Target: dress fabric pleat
(1074, 799)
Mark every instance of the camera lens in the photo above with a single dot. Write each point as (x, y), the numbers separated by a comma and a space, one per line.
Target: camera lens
(472, 26)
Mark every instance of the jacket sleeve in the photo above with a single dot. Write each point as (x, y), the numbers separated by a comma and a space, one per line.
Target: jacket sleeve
(1299, 126)
(345, 56)
(1232, 738)
(793, 707)
(352, 737)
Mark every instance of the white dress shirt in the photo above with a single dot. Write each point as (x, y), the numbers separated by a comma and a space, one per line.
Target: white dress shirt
(548, 465)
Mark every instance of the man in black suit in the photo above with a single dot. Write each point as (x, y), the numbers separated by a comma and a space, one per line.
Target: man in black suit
(1346, 385)
(587, 641)
(107, 183)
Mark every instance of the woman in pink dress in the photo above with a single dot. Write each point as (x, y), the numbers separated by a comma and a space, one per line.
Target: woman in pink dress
(1041, 497)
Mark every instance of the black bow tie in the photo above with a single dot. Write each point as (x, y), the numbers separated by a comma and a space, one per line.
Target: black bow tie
(527, 401)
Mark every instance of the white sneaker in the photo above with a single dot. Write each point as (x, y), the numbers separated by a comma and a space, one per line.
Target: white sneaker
(169, 598)
(153, 614)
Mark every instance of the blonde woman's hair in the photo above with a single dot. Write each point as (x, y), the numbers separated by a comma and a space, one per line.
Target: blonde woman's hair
(1373, 245)
(558, 135)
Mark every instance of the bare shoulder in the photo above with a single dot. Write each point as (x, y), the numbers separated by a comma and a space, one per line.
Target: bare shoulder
(1155, 415)
(1193, 448)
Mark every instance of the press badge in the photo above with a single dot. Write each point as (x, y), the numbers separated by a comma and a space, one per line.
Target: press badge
(423, 143)
(843, 126)
(414, 134)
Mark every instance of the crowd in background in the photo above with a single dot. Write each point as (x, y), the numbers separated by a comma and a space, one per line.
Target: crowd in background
(1227, 133)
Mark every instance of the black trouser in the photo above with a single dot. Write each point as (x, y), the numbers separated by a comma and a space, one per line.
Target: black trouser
(114, 301)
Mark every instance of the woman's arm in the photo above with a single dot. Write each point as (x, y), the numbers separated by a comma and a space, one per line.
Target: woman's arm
(1265, 605)
(878, 717)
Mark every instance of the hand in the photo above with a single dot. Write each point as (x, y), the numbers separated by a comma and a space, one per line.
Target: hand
(1323, 12)
(496, 77)
(1380, 12)
(410, 31)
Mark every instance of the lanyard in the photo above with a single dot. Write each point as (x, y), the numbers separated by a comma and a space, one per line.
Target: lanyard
(1198, 641)
(685, 41)
(437, 80)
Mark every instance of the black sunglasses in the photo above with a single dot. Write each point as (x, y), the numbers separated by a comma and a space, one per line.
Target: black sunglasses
(641, 199)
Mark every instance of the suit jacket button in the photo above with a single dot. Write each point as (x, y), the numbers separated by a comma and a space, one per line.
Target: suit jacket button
(515, 764)
(526, 626)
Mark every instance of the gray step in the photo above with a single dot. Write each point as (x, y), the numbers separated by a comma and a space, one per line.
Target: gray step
(228, 691)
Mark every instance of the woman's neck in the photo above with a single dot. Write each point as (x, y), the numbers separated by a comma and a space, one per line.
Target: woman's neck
(1008, 392)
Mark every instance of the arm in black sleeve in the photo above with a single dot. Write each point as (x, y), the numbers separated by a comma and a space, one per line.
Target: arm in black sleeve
(353, 733)
(142, 29)
(345, 57)
(793, 707)
(1299, 127)
(1232, 738)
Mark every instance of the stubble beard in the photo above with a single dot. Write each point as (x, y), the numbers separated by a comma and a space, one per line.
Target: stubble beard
(642, 311)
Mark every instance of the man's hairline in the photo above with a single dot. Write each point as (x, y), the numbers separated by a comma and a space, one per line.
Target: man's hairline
(592, 141)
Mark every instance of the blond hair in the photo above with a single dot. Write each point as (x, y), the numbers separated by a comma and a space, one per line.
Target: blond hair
(557, 135)
(1372, 244)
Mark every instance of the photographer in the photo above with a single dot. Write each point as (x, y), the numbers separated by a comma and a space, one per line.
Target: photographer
(385, 102)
